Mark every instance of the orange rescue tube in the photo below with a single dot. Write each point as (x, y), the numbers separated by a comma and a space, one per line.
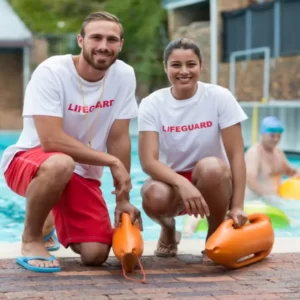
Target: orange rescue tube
(128, 245)
(236, 248)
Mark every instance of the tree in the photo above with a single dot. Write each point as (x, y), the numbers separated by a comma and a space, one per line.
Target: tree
(144, 24)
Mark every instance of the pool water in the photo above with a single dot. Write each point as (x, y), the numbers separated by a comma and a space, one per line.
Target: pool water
(12, 206)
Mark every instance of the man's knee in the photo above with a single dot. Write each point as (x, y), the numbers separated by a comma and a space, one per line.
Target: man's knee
(58, 166)
(211, 172)
(93, 254)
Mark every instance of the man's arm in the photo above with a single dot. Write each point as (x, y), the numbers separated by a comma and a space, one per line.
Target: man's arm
(288, 169)
(119, 146)
(53, 138)
(43, 103)
(252, 170)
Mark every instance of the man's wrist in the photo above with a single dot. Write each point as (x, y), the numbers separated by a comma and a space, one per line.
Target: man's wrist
(122, 198)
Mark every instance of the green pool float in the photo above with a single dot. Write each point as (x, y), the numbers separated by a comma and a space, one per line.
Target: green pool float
(278, 218)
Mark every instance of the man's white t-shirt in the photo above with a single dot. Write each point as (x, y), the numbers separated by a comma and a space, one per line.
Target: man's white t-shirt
(190, 129)
(54, 91)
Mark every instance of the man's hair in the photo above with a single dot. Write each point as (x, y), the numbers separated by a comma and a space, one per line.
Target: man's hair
(98, 16)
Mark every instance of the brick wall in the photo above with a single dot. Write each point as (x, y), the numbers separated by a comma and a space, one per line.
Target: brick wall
(11, 88)
(284, 73)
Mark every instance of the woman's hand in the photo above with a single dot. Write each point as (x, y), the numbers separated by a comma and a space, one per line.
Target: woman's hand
(193, 201)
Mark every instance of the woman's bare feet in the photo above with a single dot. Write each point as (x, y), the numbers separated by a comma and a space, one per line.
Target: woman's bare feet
(168, 242)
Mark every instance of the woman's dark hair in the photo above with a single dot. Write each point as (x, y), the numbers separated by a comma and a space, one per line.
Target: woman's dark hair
(182, 43)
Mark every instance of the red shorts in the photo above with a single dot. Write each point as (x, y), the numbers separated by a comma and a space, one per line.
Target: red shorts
(188, 176)
(81, 214)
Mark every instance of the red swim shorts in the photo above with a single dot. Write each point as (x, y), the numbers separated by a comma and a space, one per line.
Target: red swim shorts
(81, 214)
(188, 176)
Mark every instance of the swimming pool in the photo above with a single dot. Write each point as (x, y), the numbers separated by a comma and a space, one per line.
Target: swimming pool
(12, 206)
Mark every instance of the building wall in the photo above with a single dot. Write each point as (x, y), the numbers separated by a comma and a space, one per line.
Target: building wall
(11, 87)
(284, 73)
(200, 32)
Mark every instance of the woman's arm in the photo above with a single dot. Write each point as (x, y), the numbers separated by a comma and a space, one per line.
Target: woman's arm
(149, 153)
(234, 146)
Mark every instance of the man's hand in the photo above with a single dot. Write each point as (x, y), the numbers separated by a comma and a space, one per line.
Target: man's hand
(297, 175)
(127, 207)
(121, 178)
(193, 201)
(238, 216)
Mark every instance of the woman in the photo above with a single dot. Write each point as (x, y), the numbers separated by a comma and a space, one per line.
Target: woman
(191, 146)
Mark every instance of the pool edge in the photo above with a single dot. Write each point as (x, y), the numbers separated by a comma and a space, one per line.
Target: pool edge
(193, 247)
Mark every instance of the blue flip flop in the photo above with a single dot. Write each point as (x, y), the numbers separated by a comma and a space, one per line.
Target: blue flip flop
(23, 261)
(48, 236)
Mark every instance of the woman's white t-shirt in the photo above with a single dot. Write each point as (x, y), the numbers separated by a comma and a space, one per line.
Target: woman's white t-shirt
(190, 129)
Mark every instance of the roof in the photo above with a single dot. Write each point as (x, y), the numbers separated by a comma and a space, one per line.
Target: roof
(173, 4)
(13, 32)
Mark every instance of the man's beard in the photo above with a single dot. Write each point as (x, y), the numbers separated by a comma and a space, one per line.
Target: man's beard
(98, 66)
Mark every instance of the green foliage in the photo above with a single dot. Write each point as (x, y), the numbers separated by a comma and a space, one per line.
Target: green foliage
(44, 16)
(144, 21)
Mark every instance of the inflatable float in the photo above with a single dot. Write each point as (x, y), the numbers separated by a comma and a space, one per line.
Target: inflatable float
(278, 218)
(128, 246)
(290, 189)
(256, 238)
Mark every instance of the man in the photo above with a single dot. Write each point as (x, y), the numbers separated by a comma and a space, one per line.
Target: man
(75, 108)
(266, 163)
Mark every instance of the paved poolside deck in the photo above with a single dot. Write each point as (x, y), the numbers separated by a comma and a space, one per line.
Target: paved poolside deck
(184, 277)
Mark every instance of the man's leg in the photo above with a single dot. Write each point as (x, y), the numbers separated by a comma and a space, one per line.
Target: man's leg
(48, 227)
(40, 177)
(161, 203)
(92, 254)
(42, 194)
(82, 220)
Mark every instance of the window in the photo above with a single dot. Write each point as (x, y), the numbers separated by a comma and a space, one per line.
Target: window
(270, 24)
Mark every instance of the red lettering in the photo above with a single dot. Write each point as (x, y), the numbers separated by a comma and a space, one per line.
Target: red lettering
(70, 107)
(87, 109)
(106, 103)
(191, 127)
